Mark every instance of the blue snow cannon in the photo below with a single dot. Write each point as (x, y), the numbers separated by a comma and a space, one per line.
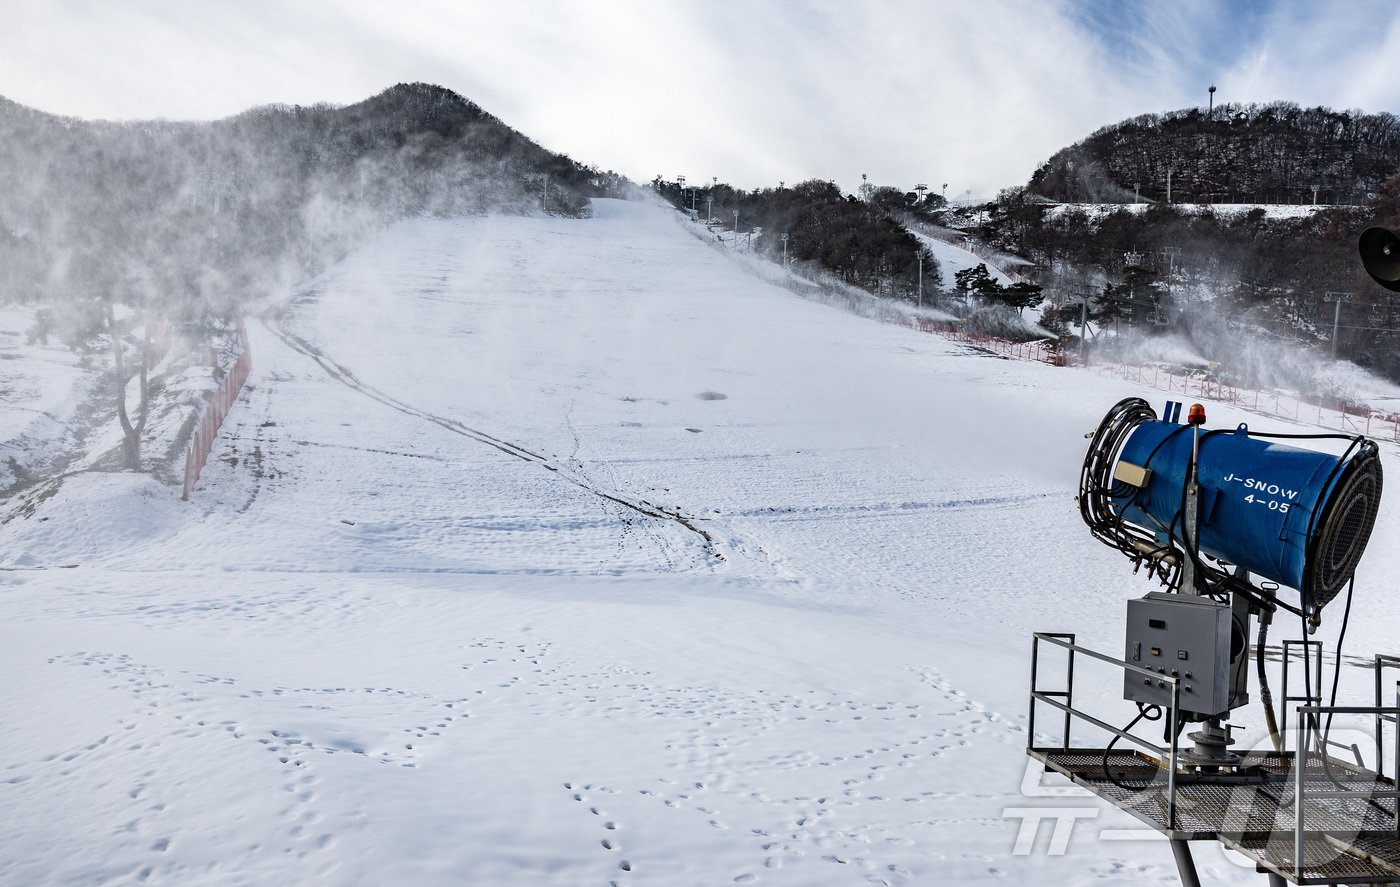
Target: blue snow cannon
(1298, 517)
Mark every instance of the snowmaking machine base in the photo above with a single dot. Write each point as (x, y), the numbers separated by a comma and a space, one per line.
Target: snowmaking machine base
(1335, 815)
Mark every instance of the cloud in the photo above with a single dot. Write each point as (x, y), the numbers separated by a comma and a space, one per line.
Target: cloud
(974, 95)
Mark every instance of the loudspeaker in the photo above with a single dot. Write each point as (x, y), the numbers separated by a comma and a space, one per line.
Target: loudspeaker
(1380, 255)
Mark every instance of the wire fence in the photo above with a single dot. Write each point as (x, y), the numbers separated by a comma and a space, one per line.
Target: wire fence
(216, 411)
(1349, 418)
(1040, 350)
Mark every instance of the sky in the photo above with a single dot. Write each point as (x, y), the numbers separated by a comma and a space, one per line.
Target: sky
(973, 95)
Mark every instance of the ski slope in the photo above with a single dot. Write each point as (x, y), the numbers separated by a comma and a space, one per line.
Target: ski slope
(561, 552)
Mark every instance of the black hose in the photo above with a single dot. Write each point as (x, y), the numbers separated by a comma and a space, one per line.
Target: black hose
(1266, 697)
(1148, 711)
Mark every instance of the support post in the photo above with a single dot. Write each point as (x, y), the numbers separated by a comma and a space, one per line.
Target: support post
(1185, 865)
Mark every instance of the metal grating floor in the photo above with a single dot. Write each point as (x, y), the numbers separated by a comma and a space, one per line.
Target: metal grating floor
(1350, 840)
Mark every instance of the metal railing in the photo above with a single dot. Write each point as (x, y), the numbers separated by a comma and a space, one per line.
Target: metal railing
(1053, 697)
(1312, 689)
(1308, 733)
(1383, 662)
(1311, 762)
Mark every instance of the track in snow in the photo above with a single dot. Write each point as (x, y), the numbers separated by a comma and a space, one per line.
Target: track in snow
(343, 375)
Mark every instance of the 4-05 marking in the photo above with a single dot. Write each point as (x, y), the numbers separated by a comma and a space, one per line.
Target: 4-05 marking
(1274, 504)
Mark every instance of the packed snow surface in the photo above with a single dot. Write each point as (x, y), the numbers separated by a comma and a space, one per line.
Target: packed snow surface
(952, 259)
(567, 552)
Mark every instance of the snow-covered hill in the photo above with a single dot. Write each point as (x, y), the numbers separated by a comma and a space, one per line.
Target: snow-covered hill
(566, 552)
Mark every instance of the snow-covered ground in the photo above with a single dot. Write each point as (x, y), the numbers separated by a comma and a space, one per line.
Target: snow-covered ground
(952, 259)
(558, 552)
(42, 385)
(1226, 210)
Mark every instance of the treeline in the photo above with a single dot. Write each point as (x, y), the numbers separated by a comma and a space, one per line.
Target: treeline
(859, 241)
(1269, 153)
(1171, 268)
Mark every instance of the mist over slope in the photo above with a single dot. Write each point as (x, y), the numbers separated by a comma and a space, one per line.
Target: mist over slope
(191, 219)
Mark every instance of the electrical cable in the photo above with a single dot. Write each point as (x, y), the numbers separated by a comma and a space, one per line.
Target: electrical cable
(1146, 711)
(1337, 668)
(1332, 703)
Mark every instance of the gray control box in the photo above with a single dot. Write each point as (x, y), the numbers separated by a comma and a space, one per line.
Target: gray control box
(1182, 636)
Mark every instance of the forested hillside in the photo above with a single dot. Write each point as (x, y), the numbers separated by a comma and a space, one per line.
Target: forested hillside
(190, 218)
(1239, 249)
(1272, 153)
(859, 241)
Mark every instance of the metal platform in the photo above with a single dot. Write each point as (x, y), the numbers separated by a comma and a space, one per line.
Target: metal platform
(1315, 820)
(1346, 840)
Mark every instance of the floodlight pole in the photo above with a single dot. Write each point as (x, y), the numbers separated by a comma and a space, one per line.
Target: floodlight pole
(784, 237)
(1339, 298)
(736, 229)
(1084, 292)
(921, 276)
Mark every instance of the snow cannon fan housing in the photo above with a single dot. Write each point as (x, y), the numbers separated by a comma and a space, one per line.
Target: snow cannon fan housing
(1300, 518)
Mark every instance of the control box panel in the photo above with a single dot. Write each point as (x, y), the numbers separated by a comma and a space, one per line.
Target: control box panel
(1181, 636)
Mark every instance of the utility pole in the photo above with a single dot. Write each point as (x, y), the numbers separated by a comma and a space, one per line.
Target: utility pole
(1314, 190)
(1339, 298)
(710, 207)
(1137, 189)
(736, 229)
(921, 276)
(784, 237)
(1169, 185)
(1083, 292)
